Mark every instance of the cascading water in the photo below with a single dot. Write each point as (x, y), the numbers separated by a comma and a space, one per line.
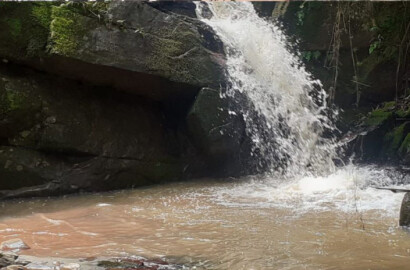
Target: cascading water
(287, 120)
(290, 106)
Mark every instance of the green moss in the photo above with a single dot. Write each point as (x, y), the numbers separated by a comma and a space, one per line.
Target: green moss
(15, 100)
(15, 26)
(63, 30)
(23, 29)
(378, 117)
(405, 146)
(42, 14)
(403, 113)
(68, 28)
(389, 105)
(393, 140)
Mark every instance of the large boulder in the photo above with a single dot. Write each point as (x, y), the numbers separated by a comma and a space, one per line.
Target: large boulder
(383, 135)
(79, 137)
(405, 211)
(404, 150)
(133, 46)
(218, 130)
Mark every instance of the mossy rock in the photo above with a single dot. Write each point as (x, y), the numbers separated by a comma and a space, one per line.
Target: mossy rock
(21, 167)
(404, 150)
(132, 39)
(24, 29)
(378, 117)
(403, 113)
(19, 106)
(66, 29)
(393, 140)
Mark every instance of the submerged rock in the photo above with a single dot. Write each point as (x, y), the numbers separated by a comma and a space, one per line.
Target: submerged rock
(19, 267)
(13, 245)
(52, 263)
(383, 134)
(7, 258)
(405, 211)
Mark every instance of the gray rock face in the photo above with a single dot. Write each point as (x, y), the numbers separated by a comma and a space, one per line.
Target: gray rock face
(216, 130)
(132, 46)
(78, 139)
(405, 211)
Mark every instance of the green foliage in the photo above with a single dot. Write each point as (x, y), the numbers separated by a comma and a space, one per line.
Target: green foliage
(24, 28)
(405, 146)
(393, 140)
(403, 113)
(311, 55)
(42, 14)
(378, 117)
(374, 45)
(15, 26)
(300, 17)
(388, 25)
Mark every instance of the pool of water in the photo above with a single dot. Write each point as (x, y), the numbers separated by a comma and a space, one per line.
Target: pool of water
(334, 222)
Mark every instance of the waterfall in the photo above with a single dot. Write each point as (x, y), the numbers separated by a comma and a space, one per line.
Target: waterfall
(287, 115)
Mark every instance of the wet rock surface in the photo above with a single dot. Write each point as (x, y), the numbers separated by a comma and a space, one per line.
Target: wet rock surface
(405, 211)
(383, 134)
(7, 258)
(13, 245)
(12, 261)
(217, 130)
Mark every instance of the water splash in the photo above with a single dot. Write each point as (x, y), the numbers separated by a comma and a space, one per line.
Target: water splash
(286, 116)
(350, 189)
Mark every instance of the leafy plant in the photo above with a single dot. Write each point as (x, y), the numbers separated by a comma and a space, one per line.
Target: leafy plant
(374, 45)
(311, 55)
(300, 15)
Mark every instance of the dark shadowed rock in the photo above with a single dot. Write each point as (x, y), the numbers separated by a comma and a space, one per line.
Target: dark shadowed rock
(405, 211)
(7, 258)
(217, 131)
(60, 136)
(383, 135)
(182, 7)
(404, 150)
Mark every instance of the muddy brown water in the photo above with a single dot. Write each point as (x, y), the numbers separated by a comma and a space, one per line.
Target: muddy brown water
(199, 223)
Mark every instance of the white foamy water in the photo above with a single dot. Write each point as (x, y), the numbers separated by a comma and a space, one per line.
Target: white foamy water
(350, 189)
(290, 106)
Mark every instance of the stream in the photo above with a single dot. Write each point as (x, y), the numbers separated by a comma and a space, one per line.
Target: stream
(334, 222)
